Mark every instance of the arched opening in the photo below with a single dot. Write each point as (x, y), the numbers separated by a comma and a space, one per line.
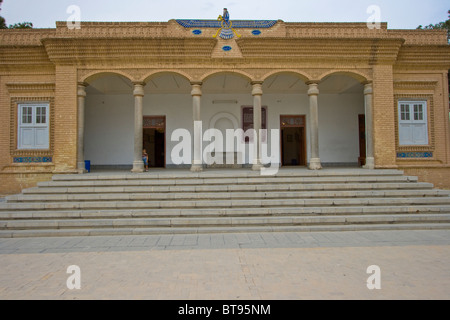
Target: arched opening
(224, 97)
(286, 96)
(109, 121)
(341, 121)
(167, 106)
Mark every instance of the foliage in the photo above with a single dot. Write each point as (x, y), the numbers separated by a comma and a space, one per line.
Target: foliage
(445, 25)
(20, 25)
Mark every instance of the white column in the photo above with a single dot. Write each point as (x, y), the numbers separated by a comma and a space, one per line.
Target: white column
(81, 93)
(313, 92)
(138, 164)
(368, 105)
(197, 163)
(257, 97)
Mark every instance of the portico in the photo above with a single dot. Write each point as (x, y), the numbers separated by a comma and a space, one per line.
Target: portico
(222, 96)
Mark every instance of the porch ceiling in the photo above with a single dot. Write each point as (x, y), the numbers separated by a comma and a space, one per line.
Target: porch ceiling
(225, 84)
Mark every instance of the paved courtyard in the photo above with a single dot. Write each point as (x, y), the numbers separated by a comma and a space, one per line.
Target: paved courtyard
(255, 266)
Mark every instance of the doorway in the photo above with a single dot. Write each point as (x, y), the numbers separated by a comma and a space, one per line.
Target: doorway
(362, 140)
(293, 140)
(155, 140)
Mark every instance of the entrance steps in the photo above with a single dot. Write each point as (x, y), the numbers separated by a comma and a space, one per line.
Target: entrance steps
(178, 201)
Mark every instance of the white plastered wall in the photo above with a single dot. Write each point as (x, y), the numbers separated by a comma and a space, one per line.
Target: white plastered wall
(109, 131)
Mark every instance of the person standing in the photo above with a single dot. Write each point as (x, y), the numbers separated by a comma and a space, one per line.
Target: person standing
(145, 159)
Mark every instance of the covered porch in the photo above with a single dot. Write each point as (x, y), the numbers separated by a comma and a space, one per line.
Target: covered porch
(317, 124)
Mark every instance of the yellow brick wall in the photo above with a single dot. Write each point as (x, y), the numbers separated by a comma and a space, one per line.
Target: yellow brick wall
(13, 183)
(383, 116)
(439, 176)
(65, 126)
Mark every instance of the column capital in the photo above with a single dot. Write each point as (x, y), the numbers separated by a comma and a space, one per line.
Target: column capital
(257, 88)
(138, 89)
(313, 88)
(81, 89)
(368, 88)
(196, 88)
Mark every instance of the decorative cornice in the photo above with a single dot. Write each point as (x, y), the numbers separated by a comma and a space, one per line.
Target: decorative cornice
(137, 50)
(369, 51)
(415, 85)
(126, 30)
(437, 56)
(15, 88)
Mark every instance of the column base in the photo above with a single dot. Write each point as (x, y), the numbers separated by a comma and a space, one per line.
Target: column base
(314, 164)
(257, 166)
(138, 167)
(81, 168)
(370, 163)
(197, 168)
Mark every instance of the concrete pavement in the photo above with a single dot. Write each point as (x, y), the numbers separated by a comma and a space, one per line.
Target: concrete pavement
(254, 266)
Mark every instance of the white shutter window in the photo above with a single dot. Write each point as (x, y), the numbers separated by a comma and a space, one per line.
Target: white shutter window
(33, 126)
(413, 123)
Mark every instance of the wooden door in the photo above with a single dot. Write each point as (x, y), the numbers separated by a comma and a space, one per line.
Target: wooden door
(293, 140)
(362, 139)
(155, 140)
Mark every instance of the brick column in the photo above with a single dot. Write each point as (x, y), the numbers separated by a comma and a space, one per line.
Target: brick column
(81, 93)
(197, 162)
(257, 97)
(384, 117)
(65, 122)
(138, 164)
(313, 124)
(368, 105)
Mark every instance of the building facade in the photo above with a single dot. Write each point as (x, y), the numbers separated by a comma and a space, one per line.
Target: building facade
(328, 94)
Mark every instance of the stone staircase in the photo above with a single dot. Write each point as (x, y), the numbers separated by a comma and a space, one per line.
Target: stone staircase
(178, 201)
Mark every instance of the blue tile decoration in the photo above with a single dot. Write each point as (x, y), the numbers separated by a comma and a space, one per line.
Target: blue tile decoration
(256, 32)
(252, 24)
(33, 159)
(409, 155)
(197, 31)
(226, 27)
(226, 48)
(226, 33)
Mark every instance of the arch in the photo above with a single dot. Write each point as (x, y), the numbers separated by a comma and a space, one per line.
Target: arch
(153, 74)
(240, 73)
(302, 75)
(222, 115)
(90, 77)
(359, 76)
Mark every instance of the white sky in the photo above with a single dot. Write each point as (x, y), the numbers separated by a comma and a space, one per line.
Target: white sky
(399, 14)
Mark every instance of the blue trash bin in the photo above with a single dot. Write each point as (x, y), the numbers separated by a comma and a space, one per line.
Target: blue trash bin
(87, 165)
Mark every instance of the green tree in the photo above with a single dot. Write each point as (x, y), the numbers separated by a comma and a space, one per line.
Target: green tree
(20, 25)
(445, 25)
(2, 20)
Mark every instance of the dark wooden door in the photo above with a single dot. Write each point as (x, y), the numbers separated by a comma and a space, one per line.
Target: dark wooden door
(159, 149)
(293, 140)
(362, 139)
